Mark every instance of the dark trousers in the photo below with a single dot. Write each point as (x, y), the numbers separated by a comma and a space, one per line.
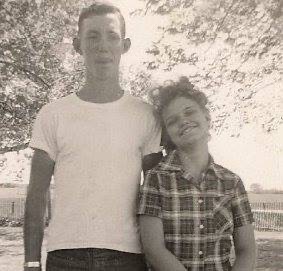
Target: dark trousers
(94, 259)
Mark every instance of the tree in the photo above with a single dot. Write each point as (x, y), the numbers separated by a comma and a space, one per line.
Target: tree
(256, 188)
(231, 49)
(38, 63)
(32, 53)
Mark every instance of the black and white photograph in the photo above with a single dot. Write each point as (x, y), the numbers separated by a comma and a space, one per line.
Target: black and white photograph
(141, 135)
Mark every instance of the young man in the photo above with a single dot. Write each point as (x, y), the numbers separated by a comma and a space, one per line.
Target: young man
(94, 142)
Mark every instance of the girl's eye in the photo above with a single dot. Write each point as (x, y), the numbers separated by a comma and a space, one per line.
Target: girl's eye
(170, 122)
(189, 112)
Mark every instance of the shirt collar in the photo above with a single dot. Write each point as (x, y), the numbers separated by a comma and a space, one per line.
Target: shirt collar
(172, 162)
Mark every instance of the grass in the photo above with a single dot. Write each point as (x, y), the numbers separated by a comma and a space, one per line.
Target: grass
(11, 249)
(270, 250)
(270, 255)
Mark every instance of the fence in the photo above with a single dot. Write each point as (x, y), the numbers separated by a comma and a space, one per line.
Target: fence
(13, 209)
(267, 216)
(267, 205)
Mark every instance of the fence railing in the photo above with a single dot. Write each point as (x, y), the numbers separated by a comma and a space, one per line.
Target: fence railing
(268, 220)
(267, 216)
(13, 209)
(267, 205)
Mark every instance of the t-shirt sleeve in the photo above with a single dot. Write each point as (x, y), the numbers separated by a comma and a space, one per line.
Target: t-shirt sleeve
(153, 135)
(149, 200)
(44, 133)
(241, 208)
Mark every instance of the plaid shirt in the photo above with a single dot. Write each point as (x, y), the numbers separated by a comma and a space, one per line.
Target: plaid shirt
(198, 217)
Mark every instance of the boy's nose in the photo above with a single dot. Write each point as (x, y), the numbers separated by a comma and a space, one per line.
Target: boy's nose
(102, 45)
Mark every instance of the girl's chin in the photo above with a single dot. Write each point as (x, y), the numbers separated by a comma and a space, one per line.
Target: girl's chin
(191, 143)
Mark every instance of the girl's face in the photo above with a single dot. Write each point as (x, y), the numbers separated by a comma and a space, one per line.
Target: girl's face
(186, 122)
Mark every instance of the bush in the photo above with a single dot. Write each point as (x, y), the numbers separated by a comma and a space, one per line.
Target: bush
(8, 222)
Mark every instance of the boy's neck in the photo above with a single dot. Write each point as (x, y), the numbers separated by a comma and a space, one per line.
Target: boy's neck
(101, 91)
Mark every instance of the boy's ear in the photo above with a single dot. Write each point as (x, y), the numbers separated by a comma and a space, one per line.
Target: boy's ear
(127, 45)
(76, 45)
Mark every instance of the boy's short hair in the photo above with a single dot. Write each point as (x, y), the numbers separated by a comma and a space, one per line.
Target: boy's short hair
(163, 95)
(102, 7)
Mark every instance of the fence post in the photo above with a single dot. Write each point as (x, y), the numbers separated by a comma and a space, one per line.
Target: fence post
(13, 208)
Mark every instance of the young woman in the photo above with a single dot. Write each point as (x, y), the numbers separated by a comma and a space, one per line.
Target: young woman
(191, 209)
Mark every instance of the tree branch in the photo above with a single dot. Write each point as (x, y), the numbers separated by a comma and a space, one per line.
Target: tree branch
(27, 72)
(6, 107)
(14, 148)
(220, 24)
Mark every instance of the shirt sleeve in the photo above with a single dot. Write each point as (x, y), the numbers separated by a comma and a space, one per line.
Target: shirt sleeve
(44, 133)
(241, 208)
(149, 200)
(153, 135)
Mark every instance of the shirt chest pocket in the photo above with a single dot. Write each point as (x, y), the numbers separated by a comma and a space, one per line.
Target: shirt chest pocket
(222, 214)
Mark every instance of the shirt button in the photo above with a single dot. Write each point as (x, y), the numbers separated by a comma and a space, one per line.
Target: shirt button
(201, 226)
(200, 201)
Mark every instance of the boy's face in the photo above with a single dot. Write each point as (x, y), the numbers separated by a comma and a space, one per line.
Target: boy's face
(185, 122)
(102, 44)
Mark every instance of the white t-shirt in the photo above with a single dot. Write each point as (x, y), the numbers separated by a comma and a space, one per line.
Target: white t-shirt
(98, 150)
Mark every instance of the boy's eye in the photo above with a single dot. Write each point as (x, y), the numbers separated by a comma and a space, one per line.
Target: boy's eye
(114, 37)
(93, 37)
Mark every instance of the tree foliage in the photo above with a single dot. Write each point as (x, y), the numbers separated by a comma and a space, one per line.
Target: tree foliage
(38, 63)
(33, 47)
(231, 49)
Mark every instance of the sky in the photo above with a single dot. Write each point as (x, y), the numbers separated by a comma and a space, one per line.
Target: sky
(255, 156)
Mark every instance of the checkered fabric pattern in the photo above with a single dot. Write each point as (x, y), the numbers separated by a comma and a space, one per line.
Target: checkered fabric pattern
(198, 217)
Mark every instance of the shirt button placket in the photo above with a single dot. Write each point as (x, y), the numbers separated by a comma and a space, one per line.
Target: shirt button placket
(201, 228)
(201, 257)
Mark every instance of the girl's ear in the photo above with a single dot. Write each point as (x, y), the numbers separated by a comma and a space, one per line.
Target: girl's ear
(127, 45)
(76, 45)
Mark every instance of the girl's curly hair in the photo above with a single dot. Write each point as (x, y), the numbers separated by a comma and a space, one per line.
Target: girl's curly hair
(162, 96)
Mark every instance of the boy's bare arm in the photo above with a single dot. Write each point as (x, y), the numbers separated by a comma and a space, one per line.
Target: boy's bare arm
(41, 172)
(245, 248)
